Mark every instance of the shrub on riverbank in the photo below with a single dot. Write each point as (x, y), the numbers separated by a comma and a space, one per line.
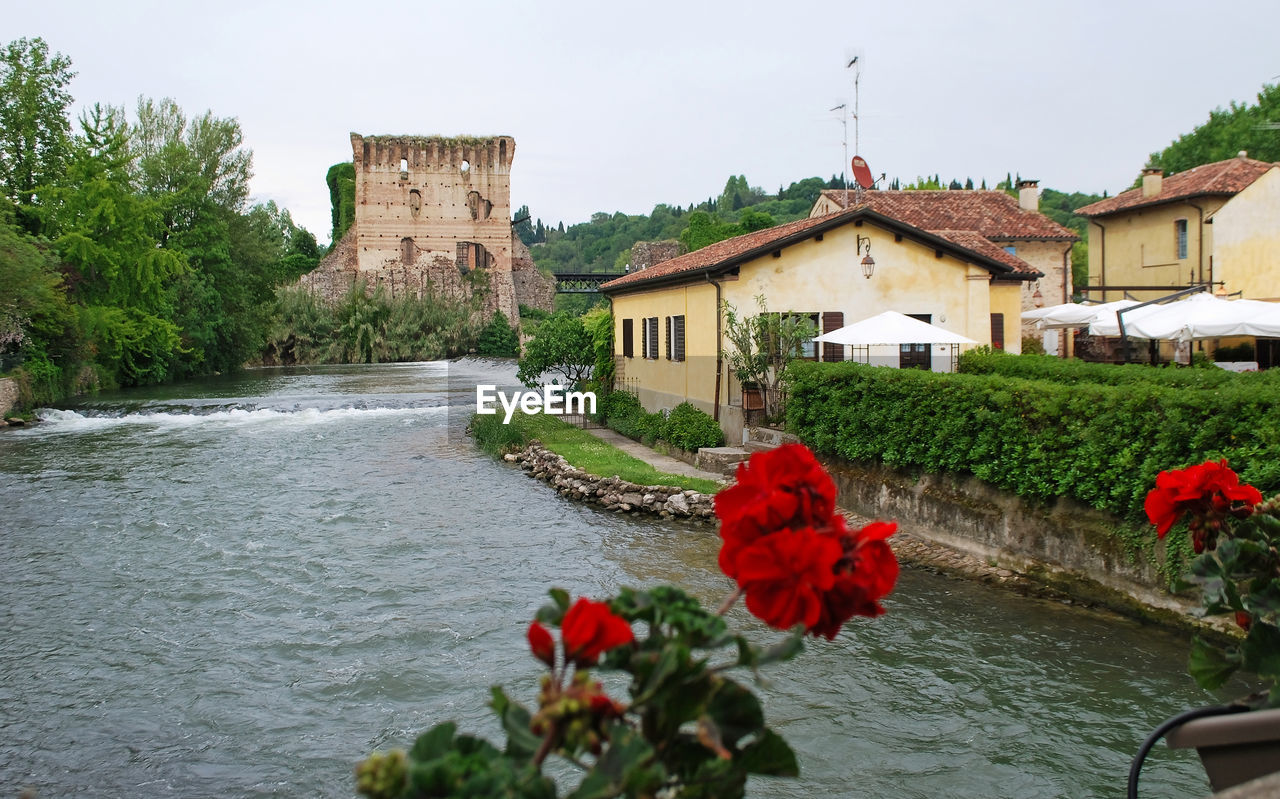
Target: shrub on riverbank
(580, 448)
(368, 328)
(985, 361)
(1100, 444)
(685, 427)
(691, 429)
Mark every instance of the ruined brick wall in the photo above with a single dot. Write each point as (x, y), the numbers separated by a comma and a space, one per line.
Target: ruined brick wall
(337, 271)
(533, 289)
(432, 215)
(645, 254)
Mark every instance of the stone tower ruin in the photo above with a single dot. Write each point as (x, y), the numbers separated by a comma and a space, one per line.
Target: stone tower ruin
(432, 215)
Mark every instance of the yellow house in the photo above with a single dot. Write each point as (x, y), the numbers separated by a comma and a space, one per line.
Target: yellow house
(1215, 224)
(669, 335)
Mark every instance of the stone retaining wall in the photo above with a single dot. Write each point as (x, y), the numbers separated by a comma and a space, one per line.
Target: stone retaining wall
(612, 493)
(1065, 546)
(8, 395)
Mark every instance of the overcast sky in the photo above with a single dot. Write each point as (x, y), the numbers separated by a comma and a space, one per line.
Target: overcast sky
(620, 106)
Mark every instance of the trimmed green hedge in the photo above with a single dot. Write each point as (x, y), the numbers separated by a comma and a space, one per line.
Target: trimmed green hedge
(691, 429)
(984, 361)
(1100, 444)
(685, 427)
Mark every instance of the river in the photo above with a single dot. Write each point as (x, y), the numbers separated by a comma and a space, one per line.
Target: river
(238, 587)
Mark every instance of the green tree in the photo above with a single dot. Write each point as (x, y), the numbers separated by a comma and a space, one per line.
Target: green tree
(35, 133)
(498, 339)
(563, 347)
(1253, 128)
(521, 224)
(34, 313)
(103, 231)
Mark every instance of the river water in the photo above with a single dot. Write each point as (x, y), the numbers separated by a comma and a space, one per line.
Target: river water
(238, 587)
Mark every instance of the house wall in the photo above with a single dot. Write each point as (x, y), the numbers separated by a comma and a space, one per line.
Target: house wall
(1246, 240)
(661, 383)
(1139, 249)
(810, 277)
(819, 276)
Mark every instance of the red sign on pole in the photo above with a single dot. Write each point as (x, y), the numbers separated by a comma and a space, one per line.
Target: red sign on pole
(862, 173)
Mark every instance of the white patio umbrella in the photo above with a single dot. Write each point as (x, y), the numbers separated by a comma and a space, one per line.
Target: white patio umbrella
(890, 328)
(1036, 314)
(1105, 323)
(1080, 315)
(1206, 316)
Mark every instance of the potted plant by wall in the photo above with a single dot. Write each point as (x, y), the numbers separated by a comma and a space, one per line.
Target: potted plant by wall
(1236, 537)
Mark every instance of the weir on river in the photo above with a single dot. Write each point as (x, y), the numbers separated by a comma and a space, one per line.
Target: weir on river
(240, 587)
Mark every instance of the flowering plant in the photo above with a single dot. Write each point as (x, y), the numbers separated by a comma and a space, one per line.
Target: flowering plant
(688, 730)
(1235, 535)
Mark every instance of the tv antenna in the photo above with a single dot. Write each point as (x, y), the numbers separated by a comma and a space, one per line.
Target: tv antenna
(844, 172)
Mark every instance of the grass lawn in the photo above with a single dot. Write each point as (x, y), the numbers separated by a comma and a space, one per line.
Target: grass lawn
(579, 447)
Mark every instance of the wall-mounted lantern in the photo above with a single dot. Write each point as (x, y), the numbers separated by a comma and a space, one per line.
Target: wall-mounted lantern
(868, 263)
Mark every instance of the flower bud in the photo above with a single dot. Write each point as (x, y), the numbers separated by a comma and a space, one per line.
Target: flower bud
(542, 644)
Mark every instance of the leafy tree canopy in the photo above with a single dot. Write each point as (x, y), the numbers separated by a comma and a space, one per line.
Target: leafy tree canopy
(35, 133)
(1253, 128)
(562, 348)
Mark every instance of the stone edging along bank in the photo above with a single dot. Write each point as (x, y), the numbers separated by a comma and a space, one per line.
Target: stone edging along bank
(611, 493)
(947, 523)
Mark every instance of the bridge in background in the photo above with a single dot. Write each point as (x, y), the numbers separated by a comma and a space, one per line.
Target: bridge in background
(582, 282)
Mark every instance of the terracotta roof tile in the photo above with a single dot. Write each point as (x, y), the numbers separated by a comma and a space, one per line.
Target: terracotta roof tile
(972, 240)
(1224, 178)
(992, 214)
(741, 248)
(719, 252)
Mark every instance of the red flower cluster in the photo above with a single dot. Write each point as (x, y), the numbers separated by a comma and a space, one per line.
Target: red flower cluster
(589, 630)
(792, 554)
(1209, 491)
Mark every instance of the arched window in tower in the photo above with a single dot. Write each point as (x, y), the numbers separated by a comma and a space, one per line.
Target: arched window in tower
(404, 168)
(415, 202)
(408, 251)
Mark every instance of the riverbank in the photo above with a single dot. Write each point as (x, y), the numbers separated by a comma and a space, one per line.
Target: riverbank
(916, 544)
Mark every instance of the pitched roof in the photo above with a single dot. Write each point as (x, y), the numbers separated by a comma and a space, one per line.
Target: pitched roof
(992, 214)
(1222, 178)
(726, 254)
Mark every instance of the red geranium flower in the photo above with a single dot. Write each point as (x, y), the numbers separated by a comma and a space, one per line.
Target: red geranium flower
(1208, 491)
(785, 575)
(783, 488)
(542, 644)
(865, 574)
(590, 629)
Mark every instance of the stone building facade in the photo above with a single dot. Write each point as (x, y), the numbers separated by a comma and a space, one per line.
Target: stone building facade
(432, 216)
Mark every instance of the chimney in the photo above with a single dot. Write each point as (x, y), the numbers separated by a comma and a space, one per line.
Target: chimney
(1152, 178)
(1029, 195)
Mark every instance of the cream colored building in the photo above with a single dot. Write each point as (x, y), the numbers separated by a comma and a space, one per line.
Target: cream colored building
(1012, 224)
(1214, 224)
(669, 334)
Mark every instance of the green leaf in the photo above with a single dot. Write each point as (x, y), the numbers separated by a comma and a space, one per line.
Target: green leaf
(1261, 650)
(769, 755)
(1265, 601)
(434, 743)
(1211, 666)
(736, 712)
(522, 744)
(627, 764)
(560, 597)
